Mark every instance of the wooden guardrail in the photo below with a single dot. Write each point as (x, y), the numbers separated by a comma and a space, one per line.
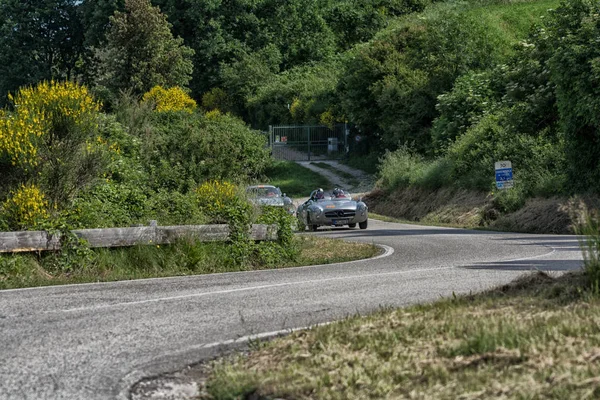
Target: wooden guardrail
(14, 242)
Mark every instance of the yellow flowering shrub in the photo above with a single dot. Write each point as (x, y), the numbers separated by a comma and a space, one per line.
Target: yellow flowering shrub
(173, 99)
(213, 114)
(214, 197)
(296, 109)
(25, 207)
(221, 201)
(43, 110)
(327, 119)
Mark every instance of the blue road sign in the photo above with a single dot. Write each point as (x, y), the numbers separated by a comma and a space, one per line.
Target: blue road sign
(504, 175)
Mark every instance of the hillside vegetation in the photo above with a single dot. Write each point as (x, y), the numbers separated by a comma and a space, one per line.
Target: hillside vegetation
(153, 99)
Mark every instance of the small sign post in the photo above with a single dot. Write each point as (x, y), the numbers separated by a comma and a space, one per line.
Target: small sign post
(504, 175)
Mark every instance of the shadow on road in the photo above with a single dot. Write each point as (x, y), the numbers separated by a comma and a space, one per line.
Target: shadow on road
(530, 265)
(401, 232)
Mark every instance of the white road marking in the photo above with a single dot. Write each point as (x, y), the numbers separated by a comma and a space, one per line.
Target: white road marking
(261, 287)
(387, 251)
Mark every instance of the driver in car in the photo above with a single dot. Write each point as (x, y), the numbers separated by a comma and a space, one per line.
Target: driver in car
(338, 193)
(320, 194)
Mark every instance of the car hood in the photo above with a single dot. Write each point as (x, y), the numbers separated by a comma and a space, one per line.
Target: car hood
(336, 205)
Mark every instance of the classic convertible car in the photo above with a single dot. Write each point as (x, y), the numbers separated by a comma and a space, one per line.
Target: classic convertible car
(335, 208)
(268, 195)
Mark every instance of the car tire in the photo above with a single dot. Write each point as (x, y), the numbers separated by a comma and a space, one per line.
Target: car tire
(363, 225)
(314, 228)
(352, 225)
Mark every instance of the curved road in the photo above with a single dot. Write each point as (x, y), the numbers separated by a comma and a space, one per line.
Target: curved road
(93, 341)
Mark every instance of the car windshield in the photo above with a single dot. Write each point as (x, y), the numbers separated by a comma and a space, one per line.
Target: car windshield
(339, 194)
(333, 195)
(263, 192)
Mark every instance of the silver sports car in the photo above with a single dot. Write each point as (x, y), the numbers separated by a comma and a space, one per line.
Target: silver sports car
(268, 195)
(335, 208)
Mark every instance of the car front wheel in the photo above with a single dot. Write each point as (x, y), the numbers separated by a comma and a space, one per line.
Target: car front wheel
(363, 225)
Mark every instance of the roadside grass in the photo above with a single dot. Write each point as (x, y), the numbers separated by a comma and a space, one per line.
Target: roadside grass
(182, 258)
(351, 179)
(385, 218)
(512, 20)
(294, 179)
(538, 337)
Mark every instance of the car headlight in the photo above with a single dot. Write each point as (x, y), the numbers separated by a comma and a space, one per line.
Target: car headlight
(361, 208)
(316, 211)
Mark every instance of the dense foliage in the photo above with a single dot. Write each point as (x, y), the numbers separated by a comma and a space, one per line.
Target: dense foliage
(141, 52)
(65, 162)
(438, 90)
(539, 108)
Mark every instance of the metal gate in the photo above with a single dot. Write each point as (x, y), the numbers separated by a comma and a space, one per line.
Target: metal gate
(308, 142)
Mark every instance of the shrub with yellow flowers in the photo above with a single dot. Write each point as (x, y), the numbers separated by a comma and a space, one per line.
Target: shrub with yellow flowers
(172, 99)
(46, 138)
(47, 113)
(215, 197)
(221, 201)
(25, 208)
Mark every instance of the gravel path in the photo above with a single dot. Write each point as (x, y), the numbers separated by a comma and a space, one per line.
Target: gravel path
(365, 181)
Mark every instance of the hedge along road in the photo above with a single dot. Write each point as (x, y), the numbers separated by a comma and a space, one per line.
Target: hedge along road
(93, 341)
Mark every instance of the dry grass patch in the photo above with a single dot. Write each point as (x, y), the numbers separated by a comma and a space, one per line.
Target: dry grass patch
(470, 209)
(536, 338)
(458, 207)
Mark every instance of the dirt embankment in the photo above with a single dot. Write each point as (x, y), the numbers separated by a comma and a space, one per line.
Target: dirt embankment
(476, 209)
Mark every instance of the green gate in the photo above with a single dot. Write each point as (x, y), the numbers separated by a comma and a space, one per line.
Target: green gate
(308, 142)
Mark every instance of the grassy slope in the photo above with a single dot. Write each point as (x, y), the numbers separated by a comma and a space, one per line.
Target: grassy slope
(161, 261)
(536, 338)
(513, 21)
(294, 179)
(450, 205)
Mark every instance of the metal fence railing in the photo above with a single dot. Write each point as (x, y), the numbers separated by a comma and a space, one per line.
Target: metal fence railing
(308, 142)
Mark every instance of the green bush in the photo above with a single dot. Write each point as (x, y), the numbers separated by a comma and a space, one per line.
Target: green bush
(538, 161)
(285, 248)
(404, 168)
(183, 150)
(590, 245)
(311, 86)
(17, 270)
(111, 204)
(572, 34)
(390, 86)
(470, 99)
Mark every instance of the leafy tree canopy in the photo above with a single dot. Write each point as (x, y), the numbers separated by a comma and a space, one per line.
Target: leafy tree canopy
(39, 40)
(141, 51)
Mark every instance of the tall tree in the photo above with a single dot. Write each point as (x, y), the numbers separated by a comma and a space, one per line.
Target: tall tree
(41, 39)
(96, 18)
(141, 51)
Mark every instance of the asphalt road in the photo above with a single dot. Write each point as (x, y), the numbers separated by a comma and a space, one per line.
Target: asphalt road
(94, 341)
